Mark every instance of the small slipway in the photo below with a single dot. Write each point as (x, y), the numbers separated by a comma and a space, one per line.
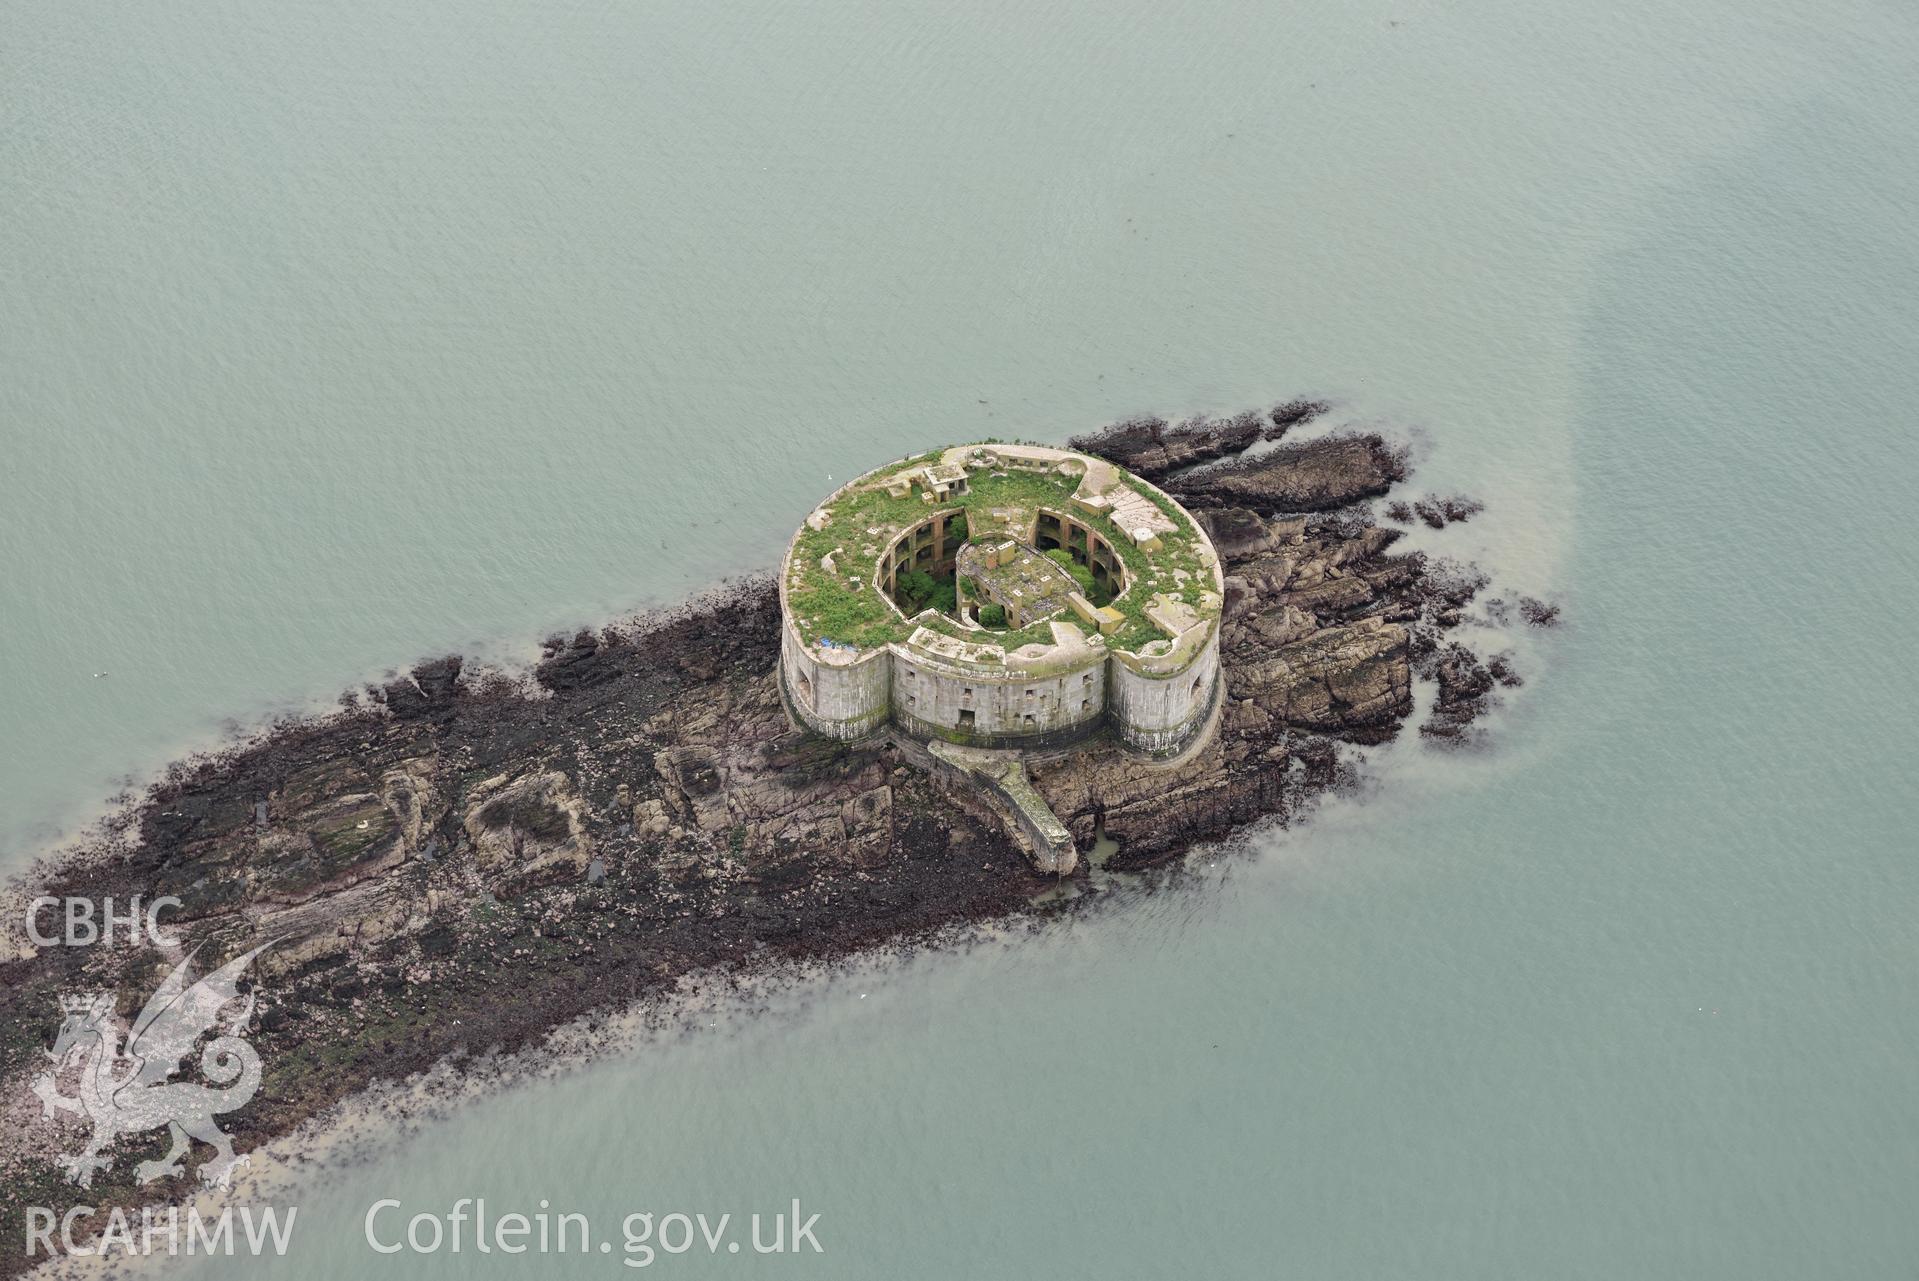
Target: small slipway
(1095, 857)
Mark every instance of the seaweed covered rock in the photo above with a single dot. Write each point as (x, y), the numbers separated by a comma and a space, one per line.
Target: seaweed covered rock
(1318, 475)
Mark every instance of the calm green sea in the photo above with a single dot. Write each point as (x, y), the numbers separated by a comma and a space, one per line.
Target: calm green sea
(335, 334)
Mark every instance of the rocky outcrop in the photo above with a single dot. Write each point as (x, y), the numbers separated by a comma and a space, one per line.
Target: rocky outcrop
(449, 865)
(1342, 678)
(1156, 449)
(1239, 533)
(1319, 475)
(1435, 512)
(1295, 413)
(1464, 689)
(527, 831)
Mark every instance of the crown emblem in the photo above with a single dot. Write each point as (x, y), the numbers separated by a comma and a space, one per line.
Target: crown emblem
(85, 1002)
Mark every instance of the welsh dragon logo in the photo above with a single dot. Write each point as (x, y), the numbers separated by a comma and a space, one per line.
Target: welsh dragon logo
(124, 1089)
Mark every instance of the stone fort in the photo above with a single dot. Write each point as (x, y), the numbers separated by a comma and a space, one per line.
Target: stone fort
(998, 596)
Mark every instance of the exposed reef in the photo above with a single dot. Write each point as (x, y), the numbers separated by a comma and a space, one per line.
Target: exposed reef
(1321, 475)
(1434, 512)
(455, 862)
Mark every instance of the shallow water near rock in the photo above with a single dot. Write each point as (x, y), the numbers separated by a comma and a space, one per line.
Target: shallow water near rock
(340, 337)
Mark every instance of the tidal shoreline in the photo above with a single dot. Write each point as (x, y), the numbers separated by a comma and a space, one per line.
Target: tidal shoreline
(454, 867)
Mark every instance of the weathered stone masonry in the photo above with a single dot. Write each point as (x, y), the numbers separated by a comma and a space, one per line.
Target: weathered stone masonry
(947, 678)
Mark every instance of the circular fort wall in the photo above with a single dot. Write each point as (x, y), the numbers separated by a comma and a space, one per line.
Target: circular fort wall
(1159, 712)
(835, 692)
(930, 545)
(850, 697)
(1060, 704)
(1154, 705)
(1059, 529)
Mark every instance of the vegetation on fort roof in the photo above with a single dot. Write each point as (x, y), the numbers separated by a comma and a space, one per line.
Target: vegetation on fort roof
(1040, 633)
(919, 590)
(1150, 574)
(1088, 585)
(831, 605)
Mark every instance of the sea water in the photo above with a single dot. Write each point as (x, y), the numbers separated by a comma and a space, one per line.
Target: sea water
(339, 335)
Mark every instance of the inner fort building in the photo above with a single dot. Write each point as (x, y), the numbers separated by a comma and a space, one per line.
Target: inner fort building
(1114, 634)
